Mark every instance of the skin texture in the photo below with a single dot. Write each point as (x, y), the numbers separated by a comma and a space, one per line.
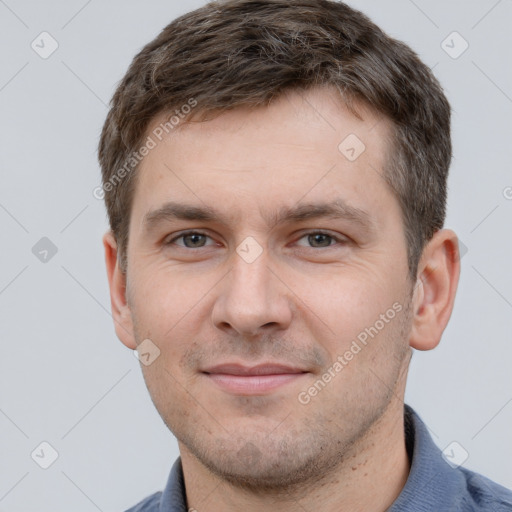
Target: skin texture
(302, 302)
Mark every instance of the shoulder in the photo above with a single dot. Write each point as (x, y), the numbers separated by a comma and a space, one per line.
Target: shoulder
(436, 484)
(149, 504)
(484, 494)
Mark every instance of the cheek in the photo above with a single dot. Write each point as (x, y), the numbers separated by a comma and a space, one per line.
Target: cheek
(345, 305)
(168, 391)
(167, 316)
(166, 296)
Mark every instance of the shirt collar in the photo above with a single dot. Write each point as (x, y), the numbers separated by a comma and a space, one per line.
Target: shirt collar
(174, 497)
(433, 484)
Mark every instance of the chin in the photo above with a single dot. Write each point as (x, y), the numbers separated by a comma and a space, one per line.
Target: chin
(267, 463)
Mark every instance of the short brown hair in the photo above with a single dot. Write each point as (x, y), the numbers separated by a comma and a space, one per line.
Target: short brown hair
(234, 53)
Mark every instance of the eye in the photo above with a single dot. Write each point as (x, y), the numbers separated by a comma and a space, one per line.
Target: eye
(198, 240)
(190, 240)
(320, 239)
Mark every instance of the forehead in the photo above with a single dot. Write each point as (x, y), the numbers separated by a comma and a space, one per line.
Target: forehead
(304, 144)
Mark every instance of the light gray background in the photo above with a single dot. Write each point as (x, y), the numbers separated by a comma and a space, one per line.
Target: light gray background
(67, 380)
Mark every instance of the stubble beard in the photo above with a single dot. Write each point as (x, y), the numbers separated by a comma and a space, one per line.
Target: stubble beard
(290, 459)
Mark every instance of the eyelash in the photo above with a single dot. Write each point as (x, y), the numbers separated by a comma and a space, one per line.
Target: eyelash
(309, 233)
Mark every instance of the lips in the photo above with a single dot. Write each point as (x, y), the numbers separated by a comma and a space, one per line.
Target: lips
(252, 380)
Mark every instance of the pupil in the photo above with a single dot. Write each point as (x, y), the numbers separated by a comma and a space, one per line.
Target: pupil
(319, 240)
(195, 240)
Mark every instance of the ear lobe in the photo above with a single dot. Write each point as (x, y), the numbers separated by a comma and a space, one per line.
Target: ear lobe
(121, 312)
(434, 294)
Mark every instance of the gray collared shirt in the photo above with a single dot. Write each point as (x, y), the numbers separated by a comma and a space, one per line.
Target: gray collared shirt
(433, 484)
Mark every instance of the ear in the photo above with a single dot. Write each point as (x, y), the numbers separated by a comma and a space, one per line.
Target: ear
(434, 292)
(117, 282)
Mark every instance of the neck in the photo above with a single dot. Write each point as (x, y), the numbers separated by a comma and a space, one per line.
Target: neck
(369, 477)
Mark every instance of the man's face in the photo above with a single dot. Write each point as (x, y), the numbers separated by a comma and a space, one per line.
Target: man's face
(254, 303)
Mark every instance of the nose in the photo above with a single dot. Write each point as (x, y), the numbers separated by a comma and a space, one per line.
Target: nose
(252, 299)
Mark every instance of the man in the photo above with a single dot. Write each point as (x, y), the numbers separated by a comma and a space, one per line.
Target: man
(275, 179)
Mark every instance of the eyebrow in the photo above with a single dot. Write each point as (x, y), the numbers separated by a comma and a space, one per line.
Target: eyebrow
(337, 209)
